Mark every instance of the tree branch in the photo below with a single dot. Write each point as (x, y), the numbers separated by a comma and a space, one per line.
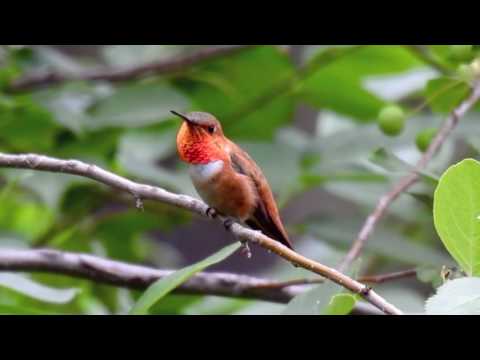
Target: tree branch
(407, 181)
(138, 277)
(35, 80)
(143, 191)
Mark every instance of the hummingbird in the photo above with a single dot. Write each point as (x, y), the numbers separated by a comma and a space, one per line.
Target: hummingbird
(226, 177)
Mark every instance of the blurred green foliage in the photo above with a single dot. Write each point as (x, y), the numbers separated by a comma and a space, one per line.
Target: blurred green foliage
(126, 127)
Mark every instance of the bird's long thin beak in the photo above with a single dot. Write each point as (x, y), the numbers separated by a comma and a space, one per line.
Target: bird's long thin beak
(184, 117)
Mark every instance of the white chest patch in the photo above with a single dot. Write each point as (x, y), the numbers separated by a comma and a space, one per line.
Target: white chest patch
(204, 172)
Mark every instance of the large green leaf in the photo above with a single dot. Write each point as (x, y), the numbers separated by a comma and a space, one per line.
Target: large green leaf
(121, 233)
(21, 214)
(49, 187)
(230, 88)
(25, 126)
(139, 153)
(69, 103)
(456, 297)
(338, 86)
(81, 107)
(135, 105)
(457, 213)
(444, 93)
(162, 287)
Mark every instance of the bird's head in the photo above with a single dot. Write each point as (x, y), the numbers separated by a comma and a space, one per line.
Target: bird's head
(200, 138)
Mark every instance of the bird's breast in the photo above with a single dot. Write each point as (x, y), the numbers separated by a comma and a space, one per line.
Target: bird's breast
(202, 173)
(221, 187)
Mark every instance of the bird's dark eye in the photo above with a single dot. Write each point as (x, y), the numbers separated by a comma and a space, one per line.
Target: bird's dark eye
(211, 129)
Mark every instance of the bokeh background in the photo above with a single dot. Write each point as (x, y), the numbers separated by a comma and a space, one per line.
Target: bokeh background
(307, 114)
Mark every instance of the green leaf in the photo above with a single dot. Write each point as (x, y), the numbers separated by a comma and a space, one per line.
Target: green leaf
(339, 85)
(7, 74)
(69, 103)
(386, 241)
(163, 286)
(441, 53)
(174, 304)
(430, 275)
(233, 84)
(456, 297)
(323, 299)
(21, 214)
(457, 213)
(139, 153)
(15, 310)
(350, 144)
(83, 107)
(57, 60)
(135, 105)
(30, 288)
(48, 186)
(214, 305)
(341, 304)
(25, 126)
(6, 309)
(129, 226)
(394, 165)
(444, 94)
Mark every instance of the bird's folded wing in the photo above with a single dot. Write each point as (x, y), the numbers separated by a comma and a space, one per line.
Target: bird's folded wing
(266, 216)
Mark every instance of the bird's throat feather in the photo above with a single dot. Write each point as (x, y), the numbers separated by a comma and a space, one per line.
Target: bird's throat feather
(195, 148)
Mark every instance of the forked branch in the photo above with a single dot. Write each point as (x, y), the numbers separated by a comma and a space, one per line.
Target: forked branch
(411, 178)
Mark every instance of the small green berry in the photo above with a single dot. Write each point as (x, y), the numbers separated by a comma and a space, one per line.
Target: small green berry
(461, 52)
(424, 138)
(391, 120)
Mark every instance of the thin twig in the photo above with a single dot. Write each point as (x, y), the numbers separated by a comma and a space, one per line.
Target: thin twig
(379, 279)
(138, 277)
(371, 279)
(148, 192)
(35, 80)
(407, 181)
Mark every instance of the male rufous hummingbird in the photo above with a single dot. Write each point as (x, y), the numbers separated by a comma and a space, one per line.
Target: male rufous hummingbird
(226, 177)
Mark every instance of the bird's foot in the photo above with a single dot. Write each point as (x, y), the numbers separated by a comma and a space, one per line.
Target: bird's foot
(227, 223)
(366, 290)
(211, 213)
(245, 249)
